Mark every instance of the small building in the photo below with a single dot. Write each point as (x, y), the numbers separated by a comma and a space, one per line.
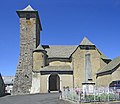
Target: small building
(109, 73)
(2, 86)
(8, 80)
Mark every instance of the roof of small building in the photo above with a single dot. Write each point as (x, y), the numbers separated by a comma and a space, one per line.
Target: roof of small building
(110, 66)
(8, 79)
(39, 48)
(57, 68)
(85, 41)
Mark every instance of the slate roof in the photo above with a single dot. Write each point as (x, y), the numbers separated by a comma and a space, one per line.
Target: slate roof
(39, 48)
(60, 51)
(8, 79)
(65, 51)
(85, 41)
(28, 8)
(110, 66)
(57, 68)
(31, 10)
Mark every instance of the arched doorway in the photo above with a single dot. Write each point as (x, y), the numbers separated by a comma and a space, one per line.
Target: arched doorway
(54, 82)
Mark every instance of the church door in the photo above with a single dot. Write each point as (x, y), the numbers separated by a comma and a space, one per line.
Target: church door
(54, 82)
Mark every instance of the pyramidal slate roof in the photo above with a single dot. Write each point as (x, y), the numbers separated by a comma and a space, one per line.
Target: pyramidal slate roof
(28, 8)
(110, 66)
(85, 41)
(39, 48)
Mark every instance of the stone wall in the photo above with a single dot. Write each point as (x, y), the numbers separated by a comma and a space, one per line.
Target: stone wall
(40, 83)
(44, 83)
(104, 80)
(65, 81)
(78, 62)
(116, 74)
(102, 64)
(29, 32)
(35, 83)
(39, 60)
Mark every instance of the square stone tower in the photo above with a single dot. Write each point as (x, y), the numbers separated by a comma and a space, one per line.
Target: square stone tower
(30, 28)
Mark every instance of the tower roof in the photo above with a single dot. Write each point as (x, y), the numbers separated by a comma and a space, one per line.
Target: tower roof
(28, 8)
(85, 41)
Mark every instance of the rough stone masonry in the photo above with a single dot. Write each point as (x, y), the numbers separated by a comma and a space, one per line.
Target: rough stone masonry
(29, 39)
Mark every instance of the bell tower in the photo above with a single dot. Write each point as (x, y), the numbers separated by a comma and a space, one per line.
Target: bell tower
(30, 28)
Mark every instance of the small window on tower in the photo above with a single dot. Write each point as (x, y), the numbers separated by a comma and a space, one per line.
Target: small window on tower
(28, 17)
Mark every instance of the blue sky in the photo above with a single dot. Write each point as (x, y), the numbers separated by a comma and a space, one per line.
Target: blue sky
(64, 22)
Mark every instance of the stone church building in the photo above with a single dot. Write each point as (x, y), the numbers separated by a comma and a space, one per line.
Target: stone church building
(47, 68)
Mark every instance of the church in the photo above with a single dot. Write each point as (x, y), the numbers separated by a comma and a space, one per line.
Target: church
(48, 68)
